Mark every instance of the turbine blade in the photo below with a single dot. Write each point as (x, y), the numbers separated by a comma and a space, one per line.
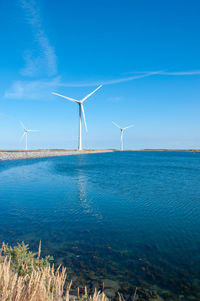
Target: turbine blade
(116, 125)
(91, 93)
(69, 98)
(22, 125)
(82, 109)
(21, 138)
(32, 131)
(130, 126)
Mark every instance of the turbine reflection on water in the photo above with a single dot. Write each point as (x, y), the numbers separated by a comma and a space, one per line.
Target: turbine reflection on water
(87, 205)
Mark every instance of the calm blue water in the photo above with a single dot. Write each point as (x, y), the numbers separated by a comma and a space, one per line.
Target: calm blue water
(133, 217)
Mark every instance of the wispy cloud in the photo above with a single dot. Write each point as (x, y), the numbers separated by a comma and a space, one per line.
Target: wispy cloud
(37, 89)
(41, 89)
(177, 73)
(44, 63)
(138, 75)
(107, 82)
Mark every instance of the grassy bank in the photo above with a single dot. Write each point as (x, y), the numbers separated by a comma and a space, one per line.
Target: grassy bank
(25, 276)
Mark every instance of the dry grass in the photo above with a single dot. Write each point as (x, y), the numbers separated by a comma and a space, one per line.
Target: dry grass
(43, 283)
(24, 276)
(47, 284)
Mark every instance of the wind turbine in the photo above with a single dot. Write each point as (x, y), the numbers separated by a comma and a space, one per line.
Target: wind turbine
(122, 133)
(81, 111)
(25, 134)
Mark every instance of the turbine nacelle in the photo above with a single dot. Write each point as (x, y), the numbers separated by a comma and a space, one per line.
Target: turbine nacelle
(25, 134)
(122, 131)
(81, 111)
(76, 100)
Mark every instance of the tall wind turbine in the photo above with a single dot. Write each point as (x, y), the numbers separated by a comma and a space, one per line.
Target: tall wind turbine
(25, 134)
(122, 133)
(81, 111)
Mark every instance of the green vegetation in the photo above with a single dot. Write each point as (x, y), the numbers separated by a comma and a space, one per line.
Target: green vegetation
(23, 261)
(24, 276)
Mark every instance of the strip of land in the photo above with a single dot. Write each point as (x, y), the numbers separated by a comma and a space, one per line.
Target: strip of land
(19, 154)
(31, 154)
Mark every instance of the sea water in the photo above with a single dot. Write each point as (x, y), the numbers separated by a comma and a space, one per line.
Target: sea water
(130, 217)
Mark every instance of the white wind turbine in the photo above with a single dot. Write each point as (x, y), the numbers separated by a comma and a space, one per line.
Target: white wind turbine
(122, 133)
(25, 134)
(81, 111)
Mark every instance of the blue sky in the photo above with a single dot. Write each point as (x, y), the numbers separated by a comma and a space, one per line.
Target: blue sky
(145, 53)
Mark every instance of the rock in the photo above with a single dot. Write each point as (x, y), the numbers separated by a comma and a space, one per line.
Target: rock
(191, 298)
(108, 283)
(73, 297)
(157, 298)
(92, 276)
(196, 282)
(95, 285)
(109, 292)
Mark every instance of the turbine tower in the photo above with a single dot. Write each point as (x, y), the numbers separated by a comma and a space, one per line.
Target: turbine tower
(25, 134)
(81, 111)
(122, 133)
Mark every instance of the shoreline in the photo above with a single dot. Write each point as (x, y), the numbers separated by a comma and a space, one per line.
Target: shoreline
(7, 155)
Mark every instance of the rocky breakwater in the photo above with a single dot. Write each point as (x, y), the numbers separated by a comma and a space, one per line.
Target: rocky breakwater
(17, 155)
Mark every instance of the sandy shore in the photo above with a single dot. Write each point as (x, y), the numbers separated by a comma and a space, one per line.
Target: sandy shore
(17, 155)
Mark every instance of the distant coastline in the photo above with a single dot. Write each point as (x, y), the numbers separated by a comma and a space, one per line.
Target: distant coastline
(165, 150)
(44, 153)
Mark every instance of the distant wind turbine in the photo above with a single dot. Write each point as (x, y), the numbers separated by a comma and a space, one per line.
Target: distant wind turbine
(122, 133)
(81, 111)
(25, 134)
